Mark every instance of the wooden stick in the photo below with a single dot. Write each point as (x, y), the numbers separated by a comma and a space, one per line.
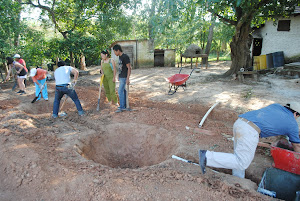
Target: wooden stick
(100, 87)
(127, 99)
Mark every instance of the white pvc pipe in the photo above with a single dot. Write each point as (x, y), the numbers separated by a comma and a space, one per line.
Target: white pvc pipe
(207, 113)
(187, 161)
(184, 160)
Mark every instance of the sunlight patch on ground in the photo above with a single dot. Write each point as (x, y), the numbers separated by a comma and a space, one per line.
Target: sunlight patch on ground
(223, 97)
(21, 146)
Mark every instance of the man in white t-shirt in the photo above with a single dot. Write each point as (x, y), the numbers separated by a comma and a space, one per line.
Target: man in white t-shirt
(65, 86)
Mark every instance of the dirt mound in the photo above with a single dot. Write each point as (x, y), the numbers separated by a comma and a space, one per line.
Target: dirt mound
(9, 103)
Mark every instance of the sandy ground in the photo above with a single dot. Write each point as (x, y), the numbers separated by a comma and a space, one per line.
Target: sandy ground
(127, 156)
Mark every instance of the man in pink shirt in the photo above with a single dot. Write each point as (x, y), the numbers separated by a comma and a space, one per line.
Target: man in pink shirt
(39, 77)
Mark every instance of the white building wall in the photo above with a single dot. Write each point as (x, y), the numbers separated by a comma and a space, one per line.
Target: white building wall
(275, 41)
(145, 54)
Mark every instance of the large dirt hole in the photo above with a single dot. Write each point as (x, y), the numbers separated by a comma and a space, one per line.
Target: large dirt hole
(130, 145)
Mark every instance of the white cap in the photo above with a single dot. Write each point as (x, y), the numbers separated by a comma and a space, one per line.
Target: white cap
(17, 56)
(32, 72)
(295, 106)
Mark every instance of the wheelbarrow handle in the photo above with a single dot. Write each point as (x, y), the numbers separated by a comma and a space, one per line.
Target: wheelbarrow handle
(180, 70)
(191, 71)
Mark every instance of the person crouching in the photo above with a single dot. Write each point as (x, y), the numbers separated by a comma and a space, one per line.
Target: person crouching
(39, 77)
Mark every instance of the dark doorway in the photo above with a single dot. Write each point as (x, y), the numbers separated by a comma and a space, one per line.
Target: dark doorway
(257, 45)
(129, 51)
(159, 56)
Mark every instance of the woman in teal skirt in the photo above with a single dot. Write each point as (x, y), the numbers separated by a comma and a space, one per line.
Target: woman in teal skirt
(108, 68)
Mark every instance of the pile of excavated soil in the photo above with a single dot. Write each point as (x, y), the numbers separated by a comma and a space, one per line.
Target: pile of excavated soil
(122, 156)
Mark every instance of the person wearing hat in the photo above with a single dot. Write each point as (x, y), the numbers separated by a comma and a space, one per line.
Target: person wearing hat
(273, 120)
(39, 77)
(18, 58)
(20, 72)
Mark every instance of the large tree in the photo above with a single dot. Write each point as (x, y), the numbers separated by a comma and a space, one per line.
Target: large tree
(243, 15)
(74, 16)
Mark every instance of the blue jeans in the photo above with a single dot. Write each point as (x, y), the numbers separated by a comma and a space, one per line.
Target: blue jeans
(37, 89)
(122, 92)
(60, 91)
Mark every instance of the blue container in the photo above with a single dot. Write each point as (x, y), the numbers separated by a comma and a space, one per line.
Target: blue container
(278, 59)
(270, 61)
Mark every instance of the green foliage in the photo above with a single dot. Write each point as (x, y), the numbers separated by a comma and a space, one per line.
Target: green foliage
(175, 24)
(33, 46)
(222, 34)
(86, 27)
(9, 24)
(247, 94)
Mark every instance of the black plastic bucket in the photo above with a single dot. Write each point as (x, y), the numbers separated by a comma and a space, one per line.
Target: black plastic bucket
(270, 61)
(280, 184)
(278, 59)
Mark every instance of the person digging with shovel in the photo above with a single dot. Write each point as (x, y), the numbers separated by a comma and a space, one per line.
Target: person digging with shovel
(273, 120)
(39, 77)
(65, 86)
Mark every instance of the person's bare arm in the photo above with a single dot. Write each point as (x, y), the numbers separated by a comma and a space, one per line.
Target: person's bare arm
(101, 71)
(9, 72)
(296, 147)
(75, 72)
(128, 73)
(20, 66)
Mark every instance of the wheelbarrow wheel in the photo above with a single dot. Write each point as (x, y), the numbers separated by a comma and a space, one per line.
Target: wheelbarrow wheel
(172, 89)
(183, 86)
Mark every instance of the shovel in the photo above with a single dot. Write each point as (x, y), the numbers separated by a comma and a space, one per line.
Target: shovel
(39, 93)
(101, 82)
(127, 99)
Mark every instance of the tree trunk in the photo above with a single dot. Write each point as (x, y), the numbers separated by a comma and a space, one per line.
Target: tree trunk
(218, 55)
(4, 62)
(224, 46)
(72, 59)
(17, 29)
(56, 62)
(82, 62)
(209, 39)
(240, 49)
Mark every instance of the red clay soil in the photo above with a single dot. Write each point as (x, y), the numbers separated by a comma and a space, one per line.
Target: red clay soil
(116, 156)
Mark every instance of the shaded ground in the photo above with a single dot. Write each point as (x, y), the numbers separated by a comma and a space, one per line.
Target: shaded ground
(127, 156)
